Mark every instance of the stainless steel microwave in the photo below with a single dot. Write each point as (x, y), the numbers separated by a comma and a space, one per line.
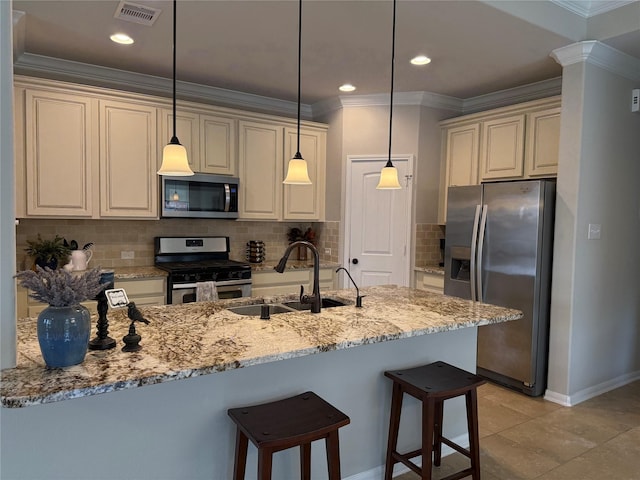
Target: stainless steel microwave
(200, 196)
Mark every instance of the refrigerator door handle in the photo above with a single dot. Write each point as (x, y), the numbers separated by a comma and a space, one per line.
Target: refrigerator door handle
(483, 224)
(474, 241)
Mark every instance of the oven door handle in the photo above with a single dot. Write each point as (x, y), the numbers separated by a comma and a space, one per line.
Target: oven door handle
(224, 283)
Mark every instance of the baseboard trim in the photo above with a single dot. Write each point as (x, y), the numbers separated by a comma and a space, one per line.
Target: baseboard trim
(377, 473)
(594, 391)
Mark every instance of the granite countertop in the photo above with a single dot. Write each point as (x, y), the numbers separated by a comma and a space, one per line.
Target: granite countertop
(126, 273)
(195, 339)
(435, 269)
(292, 265)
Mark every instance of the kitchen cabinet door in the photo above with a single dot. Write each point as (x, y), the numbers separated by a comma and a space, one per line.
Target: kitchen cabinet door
(217, 145)
(543, 143)
(460, 161)
(502, 152)
(60, 153)
(210, 140)
(306, 202)
(128, 160)
(260, 169)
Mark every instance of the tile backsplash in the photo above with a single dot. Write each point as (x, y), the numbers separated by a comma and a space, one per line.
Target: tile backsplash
(113, 237)
(428, 237)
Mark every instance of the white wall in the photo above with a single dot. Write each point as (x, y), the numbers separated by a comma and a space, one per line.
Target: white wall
(595, 314)
(7, 228)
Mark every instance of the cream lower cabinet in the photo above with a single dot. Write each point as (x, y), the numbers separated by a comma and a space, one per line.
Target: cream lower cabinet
(431, 282)
(270, 282)
(128, 160)
(60, 149)
(210, 140)
(142, 291)
(264, 153)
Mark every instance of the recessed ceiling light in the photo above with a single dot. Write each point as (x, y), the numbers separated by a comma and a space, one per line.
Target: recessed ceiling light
(420, 60)
(121, 38)
(347, 87)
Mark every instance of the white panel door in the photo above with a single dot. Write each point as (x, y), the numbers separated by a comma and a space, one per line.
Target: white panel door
(378, 225)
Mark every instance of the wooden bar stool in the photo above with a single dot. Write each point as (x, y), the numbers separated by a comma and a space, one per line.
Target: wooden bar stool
(291, 422)
(433, 384)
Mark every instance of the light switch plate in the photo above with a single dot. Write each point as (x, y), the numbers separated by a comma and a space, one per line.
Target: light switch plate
(594, 231)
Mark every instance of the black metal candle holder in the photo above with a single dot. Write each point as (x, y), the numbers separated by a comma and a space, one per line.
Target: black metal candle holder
(103, 341)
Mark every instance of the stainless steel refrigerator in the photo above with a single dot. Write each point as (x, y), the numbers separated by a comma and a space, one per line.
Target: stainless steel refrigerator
(498, 250)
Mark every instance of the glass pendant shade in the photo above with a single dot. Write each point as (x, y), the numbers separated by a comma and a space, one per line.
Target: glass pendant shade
(297, 173)
(389, 178)
(174, 160)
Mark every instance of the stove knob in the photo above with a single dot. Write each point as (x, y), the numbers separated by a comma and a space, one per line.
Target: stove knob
(197, 276)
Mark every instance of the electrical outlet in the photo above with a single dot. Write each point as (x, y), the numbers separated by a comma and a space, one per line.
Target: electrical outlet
(127, 254)
(327, 251)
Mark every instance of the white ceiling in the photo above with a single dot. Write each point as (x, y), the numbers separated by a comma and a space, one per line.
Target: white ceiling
(477, 47)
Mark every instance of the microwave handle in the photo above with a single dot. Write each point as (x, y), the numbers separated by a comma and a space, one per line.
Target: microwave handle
(227, 197)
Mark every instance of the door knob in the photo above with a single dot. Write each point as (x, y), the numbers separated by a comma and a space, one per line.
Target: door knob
(354, 261)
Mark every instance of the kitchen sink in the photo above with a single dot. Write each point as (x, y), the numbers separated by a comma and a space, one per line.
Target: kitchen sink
(325, 303)
(255, 310)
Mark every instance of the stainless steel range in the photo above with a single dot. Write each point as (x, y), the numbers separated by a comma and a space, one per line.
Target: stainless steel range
(190, 260)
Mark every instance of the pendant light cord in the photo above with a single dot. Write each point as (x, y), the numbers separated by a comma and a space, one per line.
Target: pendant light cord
(393, 59)
(299, 69)
(174, 69)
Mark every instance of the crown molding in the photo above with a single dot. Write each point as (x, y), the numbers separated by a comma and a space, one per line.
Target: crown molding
(588, 9)
(525, 93)
(42, 66)
(601, 55)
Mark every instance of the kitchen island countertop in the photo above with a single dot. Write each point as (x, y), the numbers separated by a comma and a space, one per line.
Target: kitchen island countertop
(196, 339)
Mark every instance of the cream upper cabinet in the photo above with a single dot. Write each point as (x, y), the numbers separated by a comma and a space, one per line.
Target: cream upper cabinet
(210, 140)
(543, 142)
(128, 160)
(260, 169)
(462, 155)
(306, 202)
(60, 144)
(264, 152)
(509, 143)
(502, 152)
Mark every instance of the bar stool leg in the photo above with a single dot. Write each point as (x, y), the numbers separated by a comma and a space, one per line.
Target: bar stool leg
(333, 455)
(428, 425)
(394, 426)
(241, 455)
(471, 398)
(305, 461)
(265, 457)
(437, 433)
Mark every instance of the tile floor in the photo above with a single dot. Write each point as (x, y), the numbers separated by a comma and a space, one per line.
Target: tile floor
(529, 438)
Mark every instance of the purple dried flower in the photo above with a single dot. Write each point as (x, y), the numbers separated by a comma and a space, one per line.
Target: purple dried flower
(60, 288)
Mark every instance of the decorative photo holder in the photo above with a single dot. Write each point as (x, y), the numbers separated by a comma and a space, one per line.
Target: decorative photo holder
(117, 297)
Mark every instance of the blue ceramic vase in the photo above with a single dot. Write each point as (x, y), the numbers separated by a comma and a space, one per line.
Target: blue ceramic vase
(63, 334)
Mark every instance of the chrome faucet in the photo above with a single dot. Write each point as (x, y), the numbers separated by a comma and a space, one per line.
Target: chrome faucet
(358, 296)
(313, 299)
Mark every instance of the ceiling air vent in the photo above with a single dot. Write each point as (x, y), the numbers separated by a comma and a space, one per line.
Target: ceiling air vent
(136, 13)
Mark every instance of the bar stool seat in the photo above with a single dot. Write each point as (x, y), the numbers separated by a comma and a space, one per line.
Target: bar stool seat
(291, 422)
(433, 384)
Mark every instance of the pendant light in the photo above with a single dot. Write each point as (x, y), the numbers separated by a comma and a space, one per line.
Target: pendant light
(174, 155)
(389, 174)
(297, 173)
